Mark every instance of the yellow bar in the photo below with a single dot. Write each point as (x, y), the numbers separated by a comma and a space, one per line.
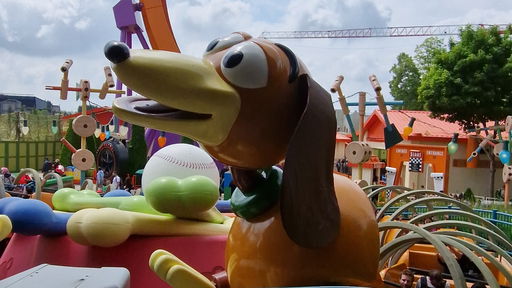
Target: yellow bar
(109, 91)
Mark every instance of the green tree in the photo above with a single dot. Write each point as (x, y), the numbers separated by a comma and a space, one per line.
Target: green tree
(426, 52)
(74, 139)
(405, 82)
(471, 83)
(137, 150)
(88, 108)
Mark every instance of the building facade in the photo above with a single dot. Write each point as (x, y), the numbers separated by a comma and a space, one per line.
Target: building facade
(18, 102)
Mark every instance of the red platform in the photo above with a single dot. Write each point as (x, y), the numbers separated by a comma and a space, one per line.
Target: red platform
(204, 253)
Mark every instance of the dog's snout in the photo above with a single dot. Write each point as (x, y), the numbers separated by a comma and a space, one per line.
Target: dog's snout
(116, 52)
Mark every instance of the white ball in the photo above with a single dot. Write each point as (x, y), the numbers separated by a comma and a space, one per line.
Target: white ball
(180, 161)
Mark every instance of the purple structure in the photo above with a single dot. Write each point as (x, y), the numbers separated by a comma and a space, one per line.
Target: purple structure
(126, 21)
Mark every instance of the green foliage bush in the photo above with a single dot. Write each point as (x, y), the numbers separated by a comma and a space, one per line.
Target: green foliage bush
(137, 150)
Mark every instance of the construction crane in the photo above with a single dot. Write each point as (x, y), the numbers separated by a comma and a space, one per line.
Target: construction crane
(402, 31)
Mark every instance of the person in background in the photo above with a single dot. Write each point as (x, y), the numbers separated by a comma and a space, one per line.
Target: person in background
(406, 278)
(47, 166)
(433, 280)
(58, 167)
(128, 183)
(25, 179)
(106, 187)
(467, 266)
(344, 165)
(7, 178)
(338, 165)
(116, 181)
(100, 175)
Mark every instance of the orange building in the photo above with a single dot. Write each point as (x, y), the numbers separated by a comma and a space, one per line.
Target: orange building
(425, 152)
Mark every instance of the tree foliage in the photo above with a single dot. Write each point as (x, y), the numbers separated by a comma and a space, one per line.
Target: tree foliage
(74, 139)
(405, 83)
(137, 150)
(471, 83)
(426, 52)
(408, 71)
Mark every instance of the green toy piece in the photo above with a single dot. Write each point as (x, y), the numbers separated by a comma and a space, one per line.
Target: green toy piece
(193, 197)
(71, 200)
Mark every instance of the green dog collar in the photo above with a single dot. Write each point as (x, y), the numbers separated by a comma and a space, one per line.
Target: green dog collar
(249, 204)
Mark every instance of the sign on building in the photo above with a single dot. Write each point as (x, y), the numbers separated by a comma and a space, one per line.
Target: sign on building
(415, 161)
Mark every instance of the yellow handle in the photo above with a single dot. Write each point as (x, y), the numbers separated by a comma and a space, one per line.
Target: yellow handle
(5, 226)
(175, 272)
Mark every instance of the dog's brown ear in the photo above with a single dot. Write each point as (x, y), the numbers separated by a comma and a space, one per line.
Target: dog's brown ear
(309, 208)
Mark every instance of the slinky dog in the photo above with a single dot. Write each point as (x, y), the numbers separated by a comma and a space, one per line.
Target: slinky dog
(251, 103)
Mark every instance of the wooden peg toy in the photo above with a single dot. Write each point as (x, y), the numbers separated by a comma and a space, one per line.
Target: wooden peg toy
(64, 83)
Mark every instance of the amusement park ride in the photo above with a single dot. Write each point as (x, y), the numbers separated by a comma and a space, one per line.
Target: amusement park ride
(296, 225)
(83, 125)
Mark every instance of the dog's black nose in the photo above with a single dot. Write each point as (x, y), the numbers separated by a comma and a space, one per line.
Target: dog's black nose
(116, 51)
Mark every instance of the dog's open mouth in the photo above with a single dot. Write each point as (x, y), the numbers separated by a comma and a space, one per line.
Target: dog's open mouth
(148, 106)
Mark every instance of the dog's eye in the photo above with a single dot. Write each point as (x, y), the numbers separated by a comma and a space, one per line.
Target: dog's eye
(245, 65)
(223, 43)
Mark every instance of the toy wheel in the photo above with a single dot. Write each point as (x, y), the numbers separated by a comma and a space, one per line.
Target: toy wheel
(112, 156)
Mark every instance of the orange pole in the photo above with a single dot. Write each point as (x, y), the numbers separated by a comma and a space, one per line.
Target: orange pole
(362, 111)
(68, 145)
(506, 195)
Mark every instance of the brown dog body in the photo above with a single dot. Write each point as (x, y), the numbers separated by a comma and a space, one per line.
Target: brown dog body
(251, 104)
(262, 255)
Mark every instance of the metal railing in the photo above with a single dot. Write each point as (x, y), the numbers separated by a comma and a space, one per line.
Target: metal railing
(500, 219)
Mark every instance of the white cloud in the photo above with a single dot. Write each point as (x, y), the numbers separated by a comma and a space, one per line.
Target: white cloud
(36, 36)
(5, 31)
(44, 30)
(83, 24)
(333, 14)
(54, 27)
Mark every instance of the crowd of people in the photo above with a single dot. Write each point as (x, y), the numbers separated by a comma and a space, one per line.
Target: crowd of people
(25, 183)
(434, 279)
(54, 166)
(104, 184)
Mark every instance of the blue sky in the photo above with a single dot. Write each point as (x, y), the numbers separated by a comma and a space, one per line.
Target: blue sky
(37, 36)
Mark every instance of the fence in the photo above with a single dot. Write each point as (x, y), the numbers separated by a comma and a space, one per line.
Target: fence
(24, 154)
(500, 219)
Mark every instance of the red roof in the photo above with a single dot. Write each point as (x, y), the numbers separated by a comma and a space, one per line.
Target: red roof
(424, 128)
(343, 137)
(101, 114)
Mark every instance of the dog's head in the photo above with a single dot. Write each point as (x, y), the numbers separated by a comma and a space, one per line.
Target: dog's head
(251, 104)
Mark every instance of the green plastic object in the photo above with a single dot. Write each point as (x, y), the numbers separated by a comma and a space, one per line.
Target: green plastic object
(53, 181)
(193, 197)
(72, 200)
(227, 193)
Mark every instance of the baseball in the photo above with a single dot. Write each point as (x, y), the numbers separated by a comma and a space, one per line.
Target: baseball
(180, 161)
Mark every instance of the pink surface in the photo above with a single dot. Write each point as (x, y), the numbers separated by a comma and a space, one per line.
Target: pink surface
(204, 253)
